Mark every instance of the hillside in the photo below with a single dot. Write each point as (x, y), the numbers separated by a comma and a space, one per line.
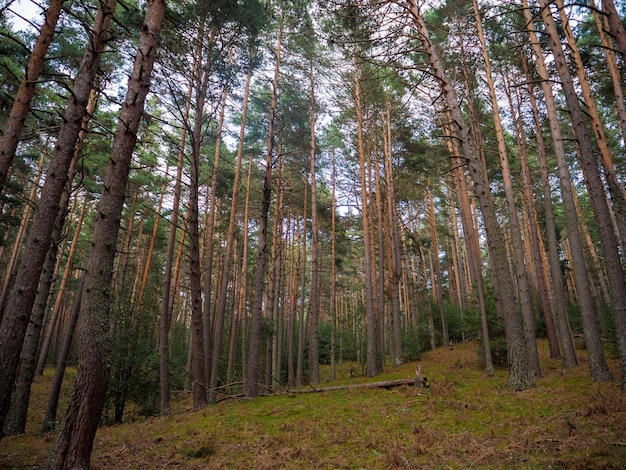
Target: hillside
(464, 420)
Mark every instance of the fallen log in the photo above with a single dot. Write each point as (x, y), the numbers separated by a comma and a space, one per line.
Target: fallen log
(387, 384)
(419, 381)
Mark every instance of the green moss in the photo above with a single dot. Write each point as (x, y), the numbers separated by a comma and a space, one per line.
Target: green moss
(465, 420)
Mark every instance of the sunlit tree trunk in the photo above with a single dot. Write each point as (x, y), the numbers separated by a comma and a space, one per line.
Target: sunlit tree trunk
(615, 190)
(21, 104)
(618, 30)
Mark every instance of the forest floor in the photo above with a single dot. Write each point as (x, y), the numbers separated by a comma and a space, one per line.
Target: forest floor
(464, 420)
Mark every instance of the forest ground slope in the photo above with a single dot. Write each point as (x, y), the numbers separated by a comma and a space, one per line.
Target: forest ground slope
(464, 420)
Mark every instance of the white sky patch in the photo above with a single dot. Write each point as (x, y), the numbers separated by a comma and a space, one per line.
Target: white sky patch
(25, 15)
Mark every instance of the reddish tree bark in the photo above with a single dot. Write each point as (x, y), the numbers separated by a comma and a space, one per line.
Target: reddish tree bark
(75, 441)
(26, 91)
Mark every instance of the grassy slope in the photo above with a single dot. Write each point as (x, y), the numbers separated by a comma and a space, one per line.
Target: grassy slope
(464, 420)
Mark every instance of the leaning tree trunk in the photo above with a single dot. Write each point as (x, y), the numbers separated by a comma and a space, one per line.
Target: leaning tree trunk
(521, 273)
(20, 305)
(607, 46)
(618, 31)
(597, 196)
(615, 190)
(21, 105)
(28, 362)
(75, 441)
(520, 374)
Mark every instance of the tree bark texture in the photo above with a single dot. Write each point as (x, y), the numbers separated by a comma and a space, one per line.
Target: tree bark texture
(520, 375)
(24, 291)
(26, 91)
(252, 373)
(597, 195)
(75, 441)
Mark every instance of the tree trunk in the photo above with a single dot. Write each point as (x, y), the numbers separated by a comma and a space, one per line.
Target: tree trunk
(20, 304)
(252, 376)
(615, 190)
(535, 247)
(75, 441)
(395, 333)
(516, 233)
(12, 262)
(166, 308)
(243, 293)
(333, 269)
(209, 335)
(302, 258)
(617, 27)
(473, 253)
(620, 103)
(273, 359)
(21, 105)
(198, 371)
(565, 182)
(28, 362)
(595, 188)
(49, 422)
(314, 310)
(230, 241)
(294, 269)
(372, 353)
(438, 285)
(520, 374)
